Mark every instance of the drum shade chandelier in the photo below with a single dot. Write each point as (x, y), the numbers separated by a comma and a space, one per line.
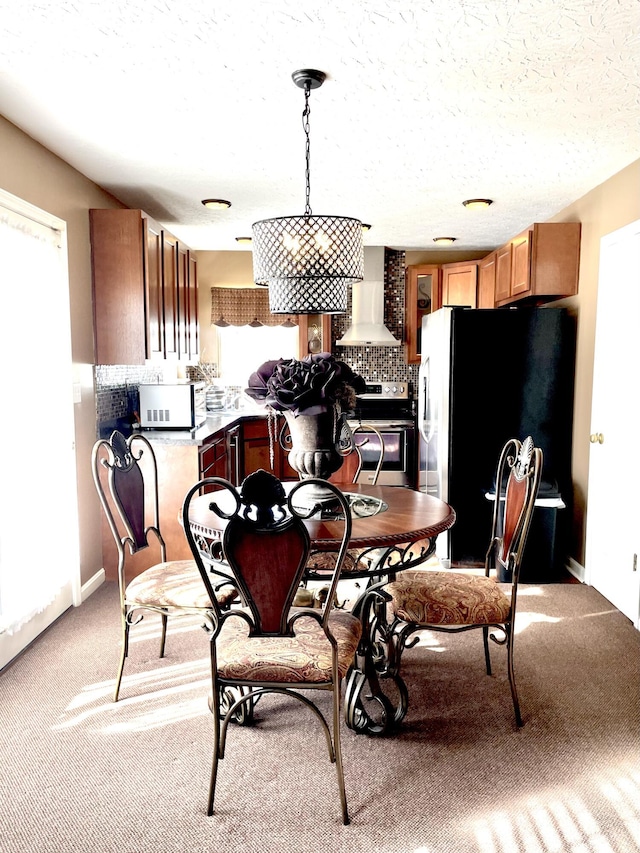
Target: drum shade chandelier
(308, 261)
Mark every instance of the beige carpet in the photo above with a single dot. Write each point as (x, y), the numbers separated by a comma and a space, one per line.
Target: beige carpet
(81, 774)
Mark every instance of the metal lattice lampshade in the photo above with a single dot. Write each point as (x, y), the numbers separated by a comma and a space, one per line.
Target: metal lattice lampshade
(308, 262)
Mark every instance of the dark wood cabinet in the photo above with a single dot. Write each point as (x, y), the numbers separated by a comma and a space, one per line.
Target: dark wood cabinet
(213, 457)
(256, 449)
(152, 281)
(144, 290)
(255, 446)
(233, 437)
(193, 333)
(170, 293)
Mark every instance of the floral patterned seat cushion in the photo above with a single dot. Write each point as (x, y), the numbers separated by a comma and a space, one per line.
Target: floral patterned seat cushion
(176, 583)
(305, 658)
(356, 560)
(325, 562)
(448, 598)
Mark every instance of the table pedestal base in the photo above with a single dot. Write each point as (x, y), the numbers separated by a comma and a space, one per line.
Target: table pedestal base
(376, 697)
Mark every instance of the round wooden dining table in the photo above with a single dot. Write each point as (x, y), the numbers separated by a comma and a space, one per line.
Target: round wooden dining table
(395, 529)
(382, 516)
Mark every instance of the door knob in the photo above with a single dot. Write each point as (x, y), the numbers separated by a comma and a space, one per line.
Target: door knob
(596, 438)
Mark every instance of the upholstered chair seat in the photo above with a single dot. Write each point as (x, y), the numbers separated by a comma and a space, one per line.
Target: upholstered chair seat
(448, 598)
(176, 583)
(301, 659)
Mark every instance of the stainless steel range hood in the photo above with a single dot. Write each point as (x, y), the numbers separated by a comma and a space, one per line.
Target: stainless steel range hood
(367, 305)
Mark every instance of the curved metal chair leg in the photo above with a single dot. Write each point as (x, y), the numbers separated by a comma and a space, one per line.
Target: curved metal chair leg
(216, 754)
(512, 678)
(123, 655)
(487, 656)
(337, 747)
(163, 636)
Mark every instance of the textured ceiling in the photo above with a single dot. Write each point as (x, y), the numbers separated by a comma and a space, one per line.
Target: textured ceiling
(166, 102)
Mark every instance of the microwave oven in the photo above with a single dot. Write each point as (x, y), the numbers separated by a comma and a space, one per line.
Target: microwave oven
(180, 405)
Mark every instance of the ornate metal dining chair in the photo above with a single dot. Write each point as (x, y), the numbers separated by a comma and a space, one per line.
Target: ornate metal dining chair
(452, 601)
(128, 493)
(367, 442)
(268, 646)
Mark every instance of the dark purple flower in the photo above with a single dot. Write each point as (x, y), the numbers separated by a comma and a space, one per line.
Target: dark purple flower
(309, 386)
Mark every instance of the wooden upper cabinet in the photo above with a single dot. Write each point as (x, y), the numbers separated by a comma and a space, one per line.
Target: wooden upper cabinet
(521, 263)
(192, 302)
(460, 284)
(314, 333)
(120, 260)
(545, 263)
(422, 295)
(170, 292)
(503, 273)
(487, 281)
(153, 283)
(138, 272)
(183, 300)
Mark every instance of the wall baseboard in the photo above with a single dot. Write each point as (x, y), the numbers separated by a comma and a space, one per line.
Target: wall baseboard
(92, 585)
(578, 571)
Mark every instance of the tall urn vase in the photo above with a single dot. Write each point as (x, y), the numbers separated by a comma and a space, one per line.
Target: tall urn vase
(319, 444)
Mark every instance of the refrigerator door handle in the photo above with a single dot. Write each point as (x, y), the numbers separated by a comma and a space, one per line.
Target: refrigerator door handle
(424, 404)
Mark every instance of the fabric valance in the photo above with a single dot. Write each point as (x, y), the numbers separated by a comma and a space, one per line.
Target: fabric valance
(240, 306)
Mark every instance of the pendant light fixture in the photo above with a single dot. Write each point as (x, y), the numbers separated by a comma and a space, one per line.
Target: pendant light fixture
(308, 261)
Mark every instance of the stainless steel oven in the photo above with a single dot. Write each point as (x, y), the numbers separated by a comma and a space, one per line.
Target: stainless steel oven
(388, 407)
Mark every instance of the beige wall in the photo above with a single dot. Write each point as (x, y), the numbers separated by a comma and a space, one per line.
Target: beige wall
(36, 175)
(218, 269)
(604, 209)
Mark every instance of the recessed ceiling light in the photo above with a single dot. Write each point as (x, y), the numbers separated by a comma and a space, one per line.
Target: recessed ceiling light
(477, 203)
(216, 203)
(244, 241)
(444, 241)
(366, 227)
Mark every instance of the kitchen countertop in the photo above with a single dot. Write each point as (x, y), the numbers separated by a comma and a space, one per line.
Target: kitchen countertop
(197, 437)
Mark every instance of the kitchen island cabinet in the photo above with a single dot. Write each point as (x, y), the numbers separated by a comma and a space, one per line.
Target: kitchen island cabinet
(144, 290)
(256, 449)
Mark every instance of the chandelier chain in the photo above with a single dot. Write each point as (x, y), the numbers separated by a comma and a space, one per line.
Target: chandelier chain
(307, 128)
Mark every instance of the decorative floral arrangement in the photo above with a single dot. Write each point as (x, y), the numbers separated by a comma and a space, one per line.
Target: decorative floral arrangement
(307, 387)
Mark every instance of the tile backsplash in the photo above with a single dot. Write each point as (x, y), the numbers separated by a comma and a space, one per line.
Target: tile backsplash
(117, 389)
(380, 363)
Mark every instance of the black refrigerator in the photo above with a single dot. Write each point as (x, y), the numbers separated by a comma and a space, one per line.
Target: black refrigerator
(487, 376)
